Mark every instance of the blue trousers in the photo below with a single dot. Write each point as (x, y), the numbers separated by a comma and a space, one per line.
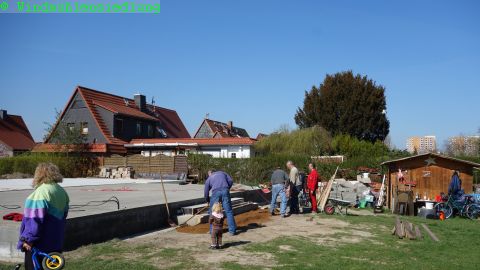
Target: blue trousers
(279, 189)
(223, 196)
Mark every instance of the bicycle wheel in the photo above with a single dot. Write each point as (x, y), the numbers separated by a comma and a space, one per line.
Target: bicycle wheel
(472, 211)
(445, 208)
(57, 263)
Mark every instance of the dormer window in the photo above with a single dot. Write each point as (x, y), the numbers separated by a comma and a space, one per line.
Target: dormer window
(150, 131)
(139, 128)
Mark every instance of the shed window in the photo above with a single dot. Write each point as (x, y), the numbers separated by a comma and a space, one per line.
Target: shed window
(234, 155)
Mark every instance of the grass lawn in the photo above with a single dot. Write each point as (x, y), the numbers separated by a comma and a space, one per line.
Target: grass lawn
(366, 243)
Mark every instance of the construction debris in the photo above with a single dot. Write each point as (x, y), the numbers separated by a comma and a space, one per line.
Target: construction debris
(117, 172)
(411, 231)
(198, 214)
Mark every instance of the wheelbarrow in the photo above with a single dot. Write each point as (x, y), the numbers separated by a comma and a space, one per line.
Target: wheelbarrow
(337, 205)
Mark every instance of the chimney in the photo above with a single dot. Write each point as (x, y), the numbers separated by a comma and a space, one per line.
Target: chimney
(3, 114)
(140, 101)
(230, 125)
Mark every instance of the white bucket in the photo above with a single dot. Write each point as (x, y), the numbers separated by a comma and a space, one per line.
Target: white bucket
(365, 175)
(429, 205)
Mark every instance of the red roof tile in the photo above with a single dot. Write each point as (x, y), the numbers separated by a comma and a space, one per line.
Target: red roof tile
(169, 119)
(223, 130)
(15, 134)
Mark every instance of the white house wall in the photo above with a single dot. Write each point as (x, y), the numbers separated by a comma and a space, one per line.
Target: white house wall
(226, 151)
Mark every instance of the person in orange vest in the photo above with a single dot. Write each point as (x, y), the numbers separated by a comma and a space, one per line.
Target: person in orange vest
(312, 185)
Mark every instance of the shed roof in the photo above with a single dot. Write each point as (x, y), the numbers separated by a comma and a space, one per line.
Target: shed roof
(470, 163)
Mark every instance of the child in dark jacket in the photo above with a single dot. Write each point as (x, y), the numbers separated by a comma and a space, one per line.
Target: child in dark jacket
(216, 220)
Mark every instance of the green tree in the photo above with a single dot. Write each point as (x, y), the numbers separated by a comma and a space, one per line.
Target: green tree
(312, 141)
(346, 104)
(66, 138)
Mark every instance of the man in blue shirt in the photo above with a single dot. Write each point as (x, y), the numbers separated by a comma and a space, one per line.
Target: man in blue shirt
(220, 183)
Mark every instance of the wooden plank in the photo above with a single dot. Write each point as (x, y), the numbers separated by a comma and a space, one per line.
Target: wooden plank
(429, 232)
(409, 230)
(418, 233)
(399, 231)
(326, 192)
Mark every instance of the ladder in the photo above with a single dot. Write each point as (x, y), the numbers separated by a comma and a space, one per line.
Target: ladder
(380, 201)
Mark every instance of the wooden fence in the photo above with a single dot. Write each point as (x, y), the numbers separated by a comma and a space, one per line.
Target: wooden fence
(150, 165)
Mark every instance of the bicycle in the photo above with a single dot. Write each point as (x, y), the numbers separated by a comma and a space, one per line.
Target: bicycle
(466, 208)
(50, 261)
(304, 199)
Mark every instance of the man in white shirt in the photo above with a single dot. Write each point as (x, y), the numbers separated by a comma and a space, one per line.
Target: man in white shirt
(297, 187)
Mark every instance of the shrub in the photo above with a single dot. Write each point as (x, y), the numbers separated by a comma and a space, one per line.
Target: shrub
(312, 141)
(69, 165)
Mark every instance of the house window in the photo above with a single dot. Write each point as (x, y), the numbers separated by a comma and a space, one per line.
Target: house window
(84, 127)
(71, 126)
(139, 128)
(118, 126)
(234, 155)
(150, 131)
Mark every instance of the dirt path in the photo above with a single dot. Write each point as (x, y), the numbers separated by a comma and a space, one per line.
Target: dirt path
(254, 227)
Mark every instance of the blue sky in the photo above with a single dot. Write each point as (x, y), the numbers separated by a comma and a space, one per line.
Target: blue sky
(251, 61)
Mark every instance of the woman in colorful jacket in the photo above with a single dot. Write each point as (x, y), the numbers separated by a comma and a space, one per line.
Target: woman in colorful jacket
(45, 213)
(312, 185)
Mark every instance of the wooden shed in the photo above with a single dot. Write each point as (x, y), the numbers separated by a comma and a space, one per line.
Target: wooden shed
(427, 175)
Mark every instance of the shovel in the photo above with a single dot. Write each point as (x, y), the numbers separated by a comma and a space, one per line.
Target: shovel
(169, 220)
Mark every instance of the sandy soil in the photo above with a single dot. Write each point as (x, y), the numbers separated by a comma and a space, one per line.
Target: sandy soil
(254, 227)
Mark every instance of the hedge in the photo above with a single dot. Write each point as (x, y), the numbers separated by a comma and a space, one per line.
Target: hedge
(69, 165)
(255, 170)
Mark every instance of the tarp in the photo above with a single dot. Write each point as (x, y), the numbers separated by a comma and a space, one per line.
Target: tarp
(455, 185)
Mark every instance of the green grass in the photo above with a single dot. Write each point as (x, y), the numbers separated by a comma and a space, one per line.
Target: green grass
(458, 249)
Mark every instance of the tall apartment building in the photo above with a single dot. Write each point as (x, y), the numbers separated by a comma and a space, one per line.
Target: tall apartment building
(463, 145)
(422, 144)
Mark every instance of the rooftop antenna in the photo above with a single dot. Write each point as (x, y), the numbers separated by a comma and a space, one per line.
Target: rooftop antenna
(207, 116)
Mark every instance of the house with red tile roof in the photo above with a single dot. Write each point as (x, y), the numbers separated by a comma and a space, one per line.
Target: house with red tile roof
(14, 135)
(215, 129)
(216, 147)
(108, 121)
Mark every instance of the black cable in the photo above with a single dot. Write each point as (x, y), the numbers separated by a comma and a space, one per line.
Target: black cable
(95, 203)
(10, 206)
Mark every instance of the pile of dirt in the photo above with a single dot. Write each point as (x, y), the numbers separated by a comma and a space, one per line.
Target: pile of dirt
(245, 221)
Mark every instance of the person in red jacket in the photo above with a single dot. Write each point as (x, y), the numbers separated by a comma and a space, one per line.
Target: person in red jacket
(312, 185)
